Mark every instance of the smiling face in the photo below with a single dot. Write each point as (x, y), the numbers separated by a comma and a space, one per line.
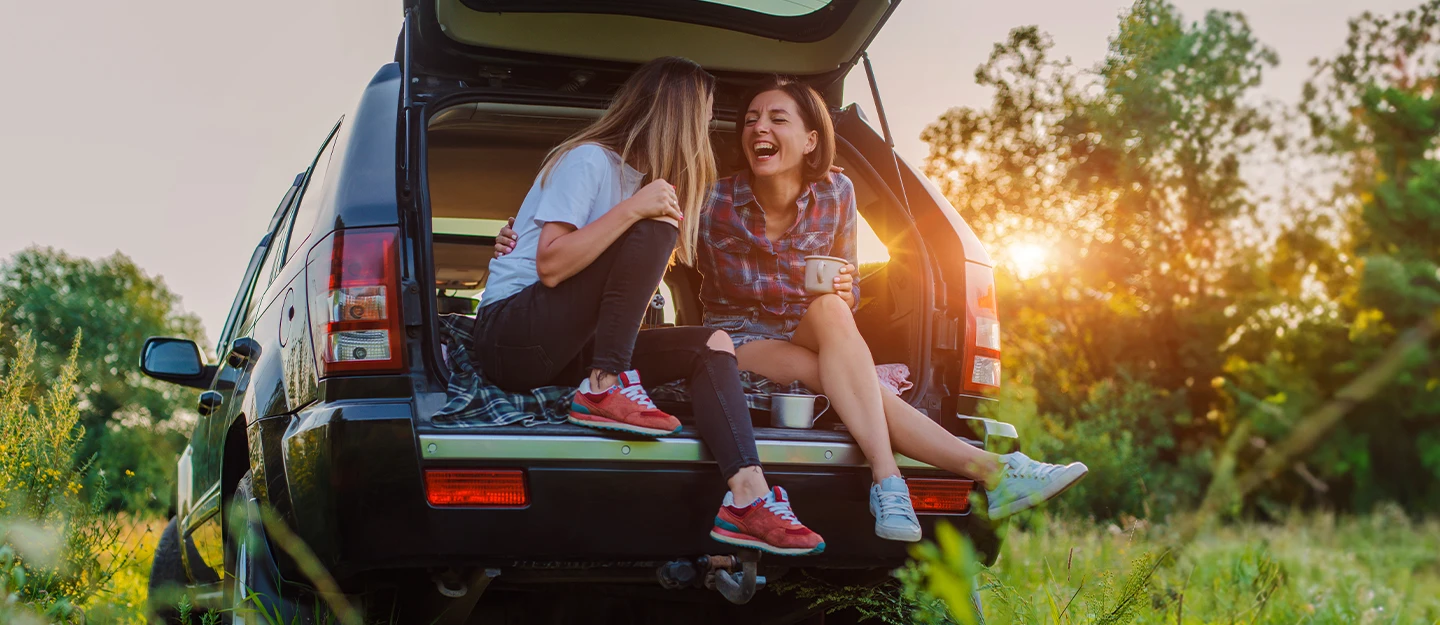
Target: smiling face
(775, 139)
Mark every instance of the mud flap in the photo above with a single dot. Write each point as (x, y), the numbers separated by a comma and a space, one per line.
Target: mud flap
(260, 595)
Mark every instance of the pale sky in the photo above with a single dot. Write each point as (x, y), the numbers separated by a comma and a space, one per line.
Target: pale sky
(169, 129)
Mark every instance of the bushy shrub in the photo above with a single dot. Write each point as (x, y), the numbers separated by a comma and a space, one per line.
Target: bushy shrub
(1126, 437)
(58, 547)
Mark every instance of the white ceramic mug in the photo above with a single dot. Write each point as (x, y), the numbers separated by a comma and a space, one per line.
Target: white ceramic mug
(820, 272)
(795, 411)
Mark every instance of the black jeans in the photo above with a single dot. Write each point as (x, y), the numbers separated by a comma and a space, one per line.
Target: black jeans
(544, 335)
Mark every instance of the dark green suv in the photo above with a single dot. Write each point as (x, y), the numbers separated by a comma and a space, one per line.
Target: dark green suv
(316, 444)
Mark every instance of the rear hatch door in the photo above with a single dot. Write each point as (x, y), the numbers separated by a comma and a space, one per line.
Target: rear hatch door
(817, 40)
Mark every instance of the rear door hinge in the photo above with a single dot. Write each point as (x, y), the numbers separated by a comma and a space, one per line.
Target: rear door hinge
(410, 302)
(947, 331)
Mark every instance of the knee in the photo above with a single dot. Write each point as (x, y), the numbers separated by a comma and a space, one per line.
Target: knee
(655, 230)
(833, 310)
(720, 342)
(829, 304)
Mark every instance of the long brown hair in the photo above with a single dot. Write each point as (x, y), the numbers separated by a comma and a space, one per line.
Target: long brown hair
(659, 124)
(813, 112)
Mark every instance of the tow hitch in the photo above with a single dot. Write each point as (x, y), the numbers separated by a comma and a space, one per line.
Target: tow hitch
(736, 577)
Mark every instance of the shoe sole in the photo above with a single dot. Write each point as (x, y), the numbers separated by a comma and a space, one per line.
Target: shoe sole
(903, 536)
(601, 423)
(1072, 476)
(755, 543)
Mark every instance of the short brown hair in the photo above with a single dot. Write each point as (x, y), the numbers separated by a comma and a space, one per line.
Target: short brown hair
(814, 113)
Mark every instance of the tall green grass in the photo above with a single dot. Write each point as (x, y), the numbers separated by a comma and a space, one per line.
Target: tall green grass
(1316, 568)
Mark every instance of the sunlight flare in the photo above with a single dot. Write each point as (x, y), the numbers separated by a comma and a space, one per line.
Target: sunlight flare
(1027, 259)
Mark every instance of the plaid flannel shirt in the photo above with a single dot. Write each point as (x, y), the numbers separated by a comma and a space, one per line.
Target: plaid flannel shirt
(747, 274)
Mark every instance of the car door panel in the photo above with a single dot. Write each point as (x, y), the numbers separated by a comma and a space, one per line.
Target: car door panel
(204, 524)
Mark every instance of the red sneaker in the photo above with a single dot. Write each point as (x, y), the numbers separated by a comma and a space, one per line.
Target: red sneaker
(623, 408)
(768, 525)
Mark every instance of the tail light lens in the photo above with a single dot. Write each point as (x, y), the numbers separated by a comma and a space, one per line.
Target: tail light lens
(982, 330)
(354, 291)
(484, 488)
(940, 496)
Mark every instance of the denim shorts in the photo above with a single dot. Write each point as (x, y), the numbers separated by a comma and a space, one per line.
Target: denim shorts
(756, 326)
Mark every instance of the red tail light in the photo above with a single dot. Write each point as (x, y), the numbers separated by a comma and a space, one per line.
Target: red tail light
(982, 330)
(485, 488)
(939, 496)
(354, 292)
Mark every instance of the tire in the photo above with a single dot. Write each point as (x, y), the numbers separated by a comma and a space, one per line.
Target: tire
(167, 576)
(250, 573)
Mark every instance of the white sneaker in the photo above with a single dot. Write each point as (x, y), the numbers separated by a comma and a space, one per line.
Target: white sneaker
(1026, 483)
(893, 512)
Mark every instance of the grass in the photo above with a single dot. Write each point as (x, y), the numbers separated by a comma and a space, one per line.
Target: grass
(1317, 568)
(1311, 569)
(123, 599)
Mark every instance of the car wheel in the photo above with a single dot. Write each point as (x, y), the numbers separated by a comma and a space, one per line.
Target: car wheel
(168, 581)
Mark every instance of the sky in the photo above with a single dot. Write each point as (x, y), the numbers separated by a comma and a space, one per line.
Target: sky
(168, 129)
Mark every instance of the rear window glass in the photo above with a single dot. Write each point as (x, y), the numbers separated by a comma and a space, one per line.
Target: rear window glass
(800, 21)
(779, 8)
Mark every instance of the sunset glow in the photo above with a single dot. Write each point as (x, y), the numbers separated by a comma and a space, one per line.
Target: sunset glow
(1027, 259)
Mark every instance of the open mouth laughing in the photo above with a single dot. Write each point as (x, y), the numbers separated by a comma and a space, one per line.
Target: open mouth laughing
(764, 150)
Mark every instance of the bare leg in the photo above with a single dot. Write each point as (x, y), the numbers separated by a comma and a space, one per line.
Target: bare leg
(845, 370)
(601, 380)
(748, 485)
(921, 438)
(910, 431)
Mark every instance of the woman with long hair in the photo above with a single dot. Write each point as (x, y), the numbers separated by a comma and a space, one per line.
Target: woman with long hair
(756, 230)
(607, 212)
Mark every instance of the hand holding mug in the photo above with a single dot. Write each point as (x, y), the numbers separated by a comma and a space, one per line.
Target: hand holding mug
(823, 275)
(845, 284)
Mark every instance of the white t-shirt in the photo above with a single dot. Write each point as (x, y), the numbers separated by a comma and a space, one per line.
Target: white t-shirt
(584, 184)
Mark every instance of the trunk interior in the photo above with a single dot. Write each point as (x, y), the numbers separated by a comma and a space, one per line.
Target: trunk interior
(482, 159)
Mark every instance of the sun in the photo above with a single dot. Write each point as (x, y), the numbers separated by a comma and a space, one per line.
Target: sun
(1027, 259)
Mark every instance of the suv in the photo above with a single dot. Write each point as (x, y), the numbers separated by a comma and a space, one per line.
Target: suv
(316, 467)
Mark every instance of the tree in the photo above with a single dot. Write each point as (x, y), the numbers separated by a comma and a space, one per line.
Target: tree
(1131, 173)
(132, 423)
(1374, 117)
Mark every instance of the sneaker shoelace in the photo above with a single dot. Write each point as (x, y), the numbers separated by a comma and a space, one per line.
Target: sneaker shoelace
(895, 503)
(782, 509)
(636, 393)
(1030, 469)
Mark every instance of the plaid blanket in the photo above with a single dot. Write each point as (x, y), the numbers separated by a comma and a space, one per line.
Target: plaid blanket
(472, 401)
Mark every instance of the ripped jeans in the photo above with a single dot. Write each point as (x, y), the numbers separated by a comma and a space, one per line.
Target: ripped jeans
(555, 335)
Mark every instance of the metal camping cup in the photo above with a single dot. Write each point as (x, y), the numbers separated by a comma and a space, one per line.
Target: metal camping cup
(820, 272)
(789, 410)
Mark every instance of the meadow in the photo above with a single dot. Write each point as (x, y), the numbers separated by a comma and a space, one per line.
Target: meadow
(1312, 568)
(1315, 568)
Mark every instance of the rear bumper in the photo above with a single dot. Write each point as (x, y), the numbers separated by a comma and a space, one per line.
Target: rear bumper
(353, 475)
